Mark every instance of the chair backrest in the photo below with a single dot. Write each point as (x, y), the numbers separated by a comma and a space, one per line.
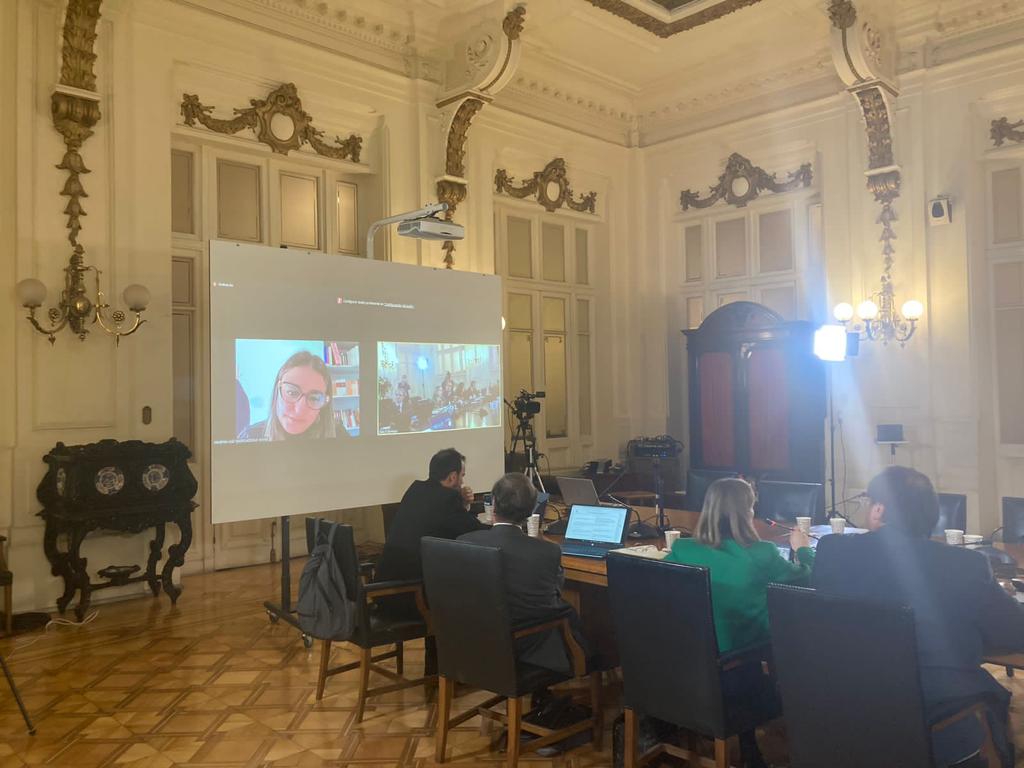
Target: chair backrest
(848, 674)
(952, 513)
(469, 615)
(666, 639)
(784, 502)
(344, 553)
(1013, 520)
(697, 483)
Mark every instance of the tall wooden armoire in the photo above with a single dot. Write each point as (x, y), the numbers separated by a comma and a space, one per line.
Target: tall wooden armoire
(757, 395)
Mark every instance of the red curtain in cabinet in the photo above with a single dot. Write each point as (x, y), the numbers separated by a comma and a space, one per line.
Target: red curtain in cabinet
(718, 447)
(768, 409)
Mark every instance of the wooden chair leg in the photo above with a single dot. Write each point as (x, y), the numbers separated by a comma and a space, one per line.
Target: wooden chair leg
(444, 706)
(597, 708)
(630, 733)
(515, 719)
(399, 658)
(721, 753)
(365, 660)
(325, 663)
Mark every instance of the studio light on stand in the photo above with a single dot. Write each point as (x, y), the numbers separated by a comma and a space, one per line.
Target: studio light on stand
(421, 224)
(830, 346)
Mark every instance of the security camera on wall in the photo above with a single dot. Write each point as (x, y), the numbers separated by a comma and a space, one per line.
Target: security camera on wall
(940, 211)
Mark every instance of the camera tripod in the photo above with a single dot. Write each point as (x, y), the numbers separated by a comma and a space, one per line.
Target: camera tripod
(524, 434)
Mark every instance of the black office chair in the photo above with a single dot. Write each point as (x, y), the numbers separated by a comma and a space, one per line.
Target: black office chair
(373, 628)
(1013, 520)
(671, 667)
(952, 513)
(784, 501)
(476, 646)
(697, 483)
(850, 684)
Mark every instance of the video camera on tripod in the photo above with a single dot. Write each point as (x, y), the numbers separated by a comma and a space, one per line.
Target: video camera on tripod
(524, 408)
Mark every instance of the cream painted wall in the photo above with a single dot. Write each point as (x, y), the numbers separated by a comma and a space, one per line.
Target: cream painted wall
(149, 53)
(940, 385)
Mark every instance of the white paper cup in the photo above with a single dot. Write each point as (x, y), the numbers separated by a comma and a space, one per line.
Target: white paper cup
(973, 538)
(804, 524)
(954, 536)
(838, 524)
(670, 538)
(533, 525)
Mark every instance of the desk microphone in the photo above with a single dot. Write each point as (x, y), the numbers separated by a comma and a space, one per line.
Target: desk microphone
(774, 524)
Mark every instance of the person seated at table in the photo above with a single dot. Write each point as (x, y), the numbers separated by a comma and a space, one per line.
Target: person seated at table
(960, 611)
(532, 573)
(438, 507)
(740, 568)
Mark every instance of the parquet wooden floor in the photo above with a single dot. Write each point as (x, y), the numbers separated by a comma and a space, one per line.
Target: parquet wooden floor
(212, 683)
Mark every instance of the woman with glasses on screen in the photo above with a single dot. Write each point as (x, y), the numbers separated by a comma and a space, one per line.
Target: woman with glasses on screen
(300, 405)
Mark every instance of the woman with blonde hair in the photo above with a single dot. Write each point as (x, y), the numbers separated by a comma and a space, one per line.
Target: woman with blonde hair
(740, 568)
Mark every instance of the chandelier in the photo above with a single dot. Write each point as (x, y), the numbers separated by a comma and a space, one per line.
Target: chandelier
(76, 310)
(879, 319)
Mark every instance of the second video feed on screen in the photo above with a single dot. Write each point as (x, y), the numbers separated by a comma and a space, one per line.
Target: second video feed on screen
(291, 389)
(437, 387)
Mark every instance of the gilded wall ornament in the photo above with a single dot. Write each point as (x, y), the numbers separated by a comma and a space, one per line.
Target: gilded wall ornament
(742, 181)
(656, 26)
(842, 13)
(278, 121)
(550, 187)
(1003, 129)
(876, 119)
(75, 114)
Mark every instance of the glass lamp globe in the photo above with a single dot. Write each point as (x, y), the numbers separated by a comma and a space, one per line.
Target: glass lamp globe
(867, 310)
(843, 312)
(31, 292)
(136, 297)
(912, 310)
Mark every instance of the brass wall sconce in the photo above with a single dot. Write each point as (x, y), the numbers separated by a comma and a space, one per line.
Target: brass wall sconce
(76, 310)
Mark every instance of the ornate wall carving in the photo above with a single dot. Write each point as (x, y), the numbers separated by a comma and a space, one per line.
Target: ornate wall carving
(661, 28)
(1003, 129)
(742, 181)
(278, 120)
(554, 177)
(74, 112)
(482, 63)
(875, 109)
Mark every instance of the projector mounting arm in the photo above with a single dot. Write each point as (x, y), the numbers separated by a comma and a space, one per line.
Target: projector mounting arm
(423, 213)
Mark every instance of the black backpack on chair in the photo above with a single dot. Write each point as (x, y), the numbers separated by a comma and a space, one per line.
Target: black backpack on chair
(324, 608)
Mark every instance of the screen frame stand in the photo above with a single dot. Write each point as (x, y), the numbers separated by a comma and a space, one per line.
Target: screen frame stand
(284, 611)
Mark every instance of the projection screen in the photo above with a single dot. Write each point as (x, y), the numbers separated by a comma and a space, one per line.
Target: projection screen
(334, 379)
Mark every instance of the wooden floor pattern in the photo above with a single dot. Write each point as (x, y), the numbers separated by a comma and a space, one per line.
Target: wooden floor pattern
(212, 683)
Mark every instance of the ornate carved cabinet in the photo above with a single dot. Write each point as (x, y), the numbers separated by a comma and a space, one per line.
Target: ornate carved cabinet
(756, 395)
(115, 486)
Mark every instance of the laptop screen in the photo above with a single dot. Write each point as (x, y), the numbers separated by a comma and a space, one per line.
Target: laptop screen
(601, 524)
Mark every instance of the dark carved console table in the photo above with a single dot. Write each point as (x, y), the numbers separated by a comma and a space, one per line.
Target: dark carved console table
(116, 486)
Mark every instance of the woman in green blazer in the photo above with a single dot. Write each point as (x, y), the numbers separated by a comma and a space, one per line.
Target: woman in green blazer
(740, 567)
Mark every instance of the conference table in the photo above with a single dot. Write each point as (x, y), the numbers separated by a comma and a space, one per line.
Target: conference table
(586, 580)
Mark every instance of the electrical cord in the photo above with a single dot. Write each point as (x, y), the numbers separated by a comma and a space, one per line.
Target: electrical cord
(52, 623)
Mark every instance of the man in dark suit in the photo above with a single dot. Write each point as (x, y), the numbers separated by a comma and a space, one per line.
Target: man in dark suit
(532, 572)
(960, 611)
(437, 506)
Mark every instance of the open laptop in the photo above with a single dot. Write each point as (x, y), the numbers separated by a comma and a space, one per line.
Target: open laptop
(578, 490)
(594, 530)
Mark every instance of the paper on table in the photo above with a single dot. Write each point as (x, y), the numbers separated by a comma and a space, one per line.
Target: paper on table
(644, 550)
(826, 530)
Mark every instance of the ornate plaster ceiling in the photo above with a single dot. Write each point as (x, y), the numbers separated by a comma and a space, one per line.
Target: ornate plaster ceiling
(665, 18)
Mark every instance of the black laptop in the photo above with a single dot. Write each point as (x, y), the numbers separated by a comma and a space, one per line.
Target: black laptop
(593, 531)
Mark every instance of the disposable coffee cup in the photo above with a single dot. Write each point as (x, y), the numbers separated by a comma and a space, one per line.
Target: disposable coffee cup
(838, 524)
(973, 538)
(533, 525)
(954, 536)
(804, 525)
(670, 538)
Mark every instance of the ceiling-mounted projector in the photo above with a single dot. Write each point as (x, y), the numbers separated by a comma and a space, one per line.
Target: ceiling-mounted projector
(432, 229)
